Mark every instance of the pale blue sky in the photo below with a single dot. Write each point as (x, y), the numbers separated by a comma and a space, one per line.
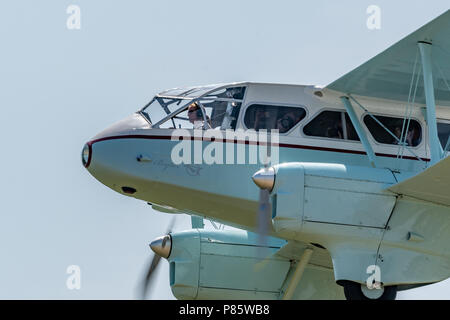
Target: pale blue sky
(59, 87)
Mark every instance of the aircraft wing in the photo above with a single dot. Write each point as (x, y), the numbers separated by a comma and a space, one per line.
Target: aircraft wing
(431, 185)
(388, 75)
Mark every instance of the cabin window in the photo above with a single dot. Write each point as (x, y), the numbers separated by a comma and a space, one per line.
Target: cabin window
(261, 116)
(333, 125)
(444, 135)
(412, 133)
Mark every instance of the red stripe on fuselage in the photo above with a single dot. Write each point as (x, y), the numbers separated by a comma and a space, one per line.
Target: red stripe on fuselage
(283, 145)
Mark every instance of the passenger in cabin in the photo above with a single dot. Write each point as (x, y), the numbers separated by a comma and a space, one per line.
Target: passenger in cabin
(261, 119)
(340, 131)
(351, 132)
(286, 122)
(398, 134)
(333, 132)
(195, 116)
(413, 137)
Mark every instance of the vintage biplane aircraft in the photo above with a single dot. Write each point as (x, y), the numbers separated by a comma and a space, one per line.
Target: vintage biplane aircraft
(356, 206)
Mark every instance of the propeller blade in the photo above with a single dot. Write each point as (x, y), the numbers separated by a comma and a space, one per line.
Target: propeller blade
(148, 277)
(263, 217)
(264, 179)
(147, 280)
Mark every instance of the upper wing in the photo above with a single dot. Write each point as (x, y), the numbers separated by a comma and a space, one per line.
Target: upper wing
(388, 75)
(431, 185)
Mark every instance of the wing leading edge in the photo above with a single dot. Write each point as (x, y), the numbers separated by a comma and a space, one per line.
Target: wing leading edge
(388, 75)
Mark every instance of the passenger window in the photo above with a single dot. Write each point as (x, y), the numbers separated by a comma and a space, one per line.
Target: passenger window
(261, 116)
(332, 124)
(444, 135)
(412, 134)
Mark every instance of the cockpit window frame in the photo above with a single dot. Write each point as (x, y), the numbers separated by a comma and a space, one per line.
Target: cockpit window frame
(191, 100)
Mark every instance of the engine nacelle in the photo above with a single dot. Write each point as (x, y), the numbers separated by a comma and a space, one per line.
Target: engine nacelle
(225, 265)
(330, 193)
(343, 208)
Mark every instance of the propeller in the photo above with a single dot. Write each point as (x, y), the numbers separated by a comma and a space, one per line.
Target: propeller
(161, 247)
(263, 216)
(264, 179)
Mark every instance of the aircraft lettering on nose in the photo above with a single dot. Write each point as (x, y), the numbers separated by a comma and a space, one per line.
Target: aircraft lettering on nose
(349, 185)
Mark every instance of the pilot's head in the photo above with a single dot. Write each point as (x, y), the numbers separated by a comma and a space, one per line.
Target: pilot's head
(194, 112)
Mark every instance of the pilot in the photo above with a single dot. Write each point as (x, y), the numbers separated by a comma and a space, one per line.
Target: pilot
(195, 116)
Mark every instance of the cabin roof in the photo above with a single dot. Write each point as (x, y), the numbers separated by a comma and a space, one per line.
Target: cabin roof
(198, 91)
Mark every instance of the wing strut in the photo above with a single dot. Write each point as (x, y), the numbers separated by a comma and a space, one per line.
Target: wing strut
(298, 273)
(435, 145)
(360, 131)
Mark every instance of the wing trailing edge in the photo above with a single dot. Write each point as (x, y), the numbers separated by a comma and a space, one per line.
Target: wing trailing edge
(431, 185)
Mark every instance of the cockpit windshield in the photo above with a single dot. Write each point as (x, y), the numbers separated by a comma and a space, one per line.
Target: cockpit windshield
(193, 108)
(189, 92)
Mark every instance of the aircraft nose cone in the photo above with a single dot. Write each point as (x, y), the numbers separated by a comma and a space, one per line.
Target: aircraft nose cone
(162, 246)
(86, 155)
(265, 178)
